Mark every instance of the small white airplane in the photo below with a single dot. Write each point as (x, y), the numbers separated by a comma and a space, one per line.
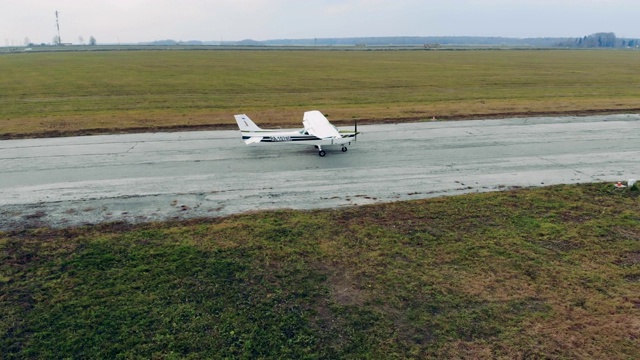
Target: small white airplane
(317, 131)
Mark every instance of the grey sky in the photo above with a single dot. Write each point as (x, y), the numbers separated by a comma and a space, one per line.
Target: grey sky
(128, 21)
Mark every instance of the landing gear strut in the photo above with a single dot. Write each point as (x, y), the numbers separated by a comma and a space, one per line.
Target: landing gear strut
(323, 153)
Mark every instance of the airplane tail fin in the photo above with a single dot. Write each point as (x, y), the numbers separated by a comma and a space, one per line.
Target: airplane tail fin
(245, 124)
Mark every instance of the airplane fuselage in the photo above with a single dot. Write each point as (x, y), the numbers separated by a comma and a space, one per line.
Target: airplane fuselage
(295, 136)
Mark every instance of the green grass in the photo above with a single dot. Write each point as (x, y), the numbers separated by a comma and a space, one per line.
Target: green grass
(109, 91)
(543, 273)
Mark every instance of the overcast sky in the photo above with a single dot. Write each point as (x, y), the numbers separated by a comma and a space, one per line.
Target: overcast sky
(132, 21)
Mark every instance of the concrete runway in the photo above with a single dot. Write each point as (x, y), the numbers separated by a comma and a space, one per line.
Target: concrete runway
(62, 182)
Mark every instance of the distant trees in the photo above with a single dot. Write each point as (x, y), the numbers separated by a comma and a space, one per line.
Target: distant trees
(92, 41)
(599, 40)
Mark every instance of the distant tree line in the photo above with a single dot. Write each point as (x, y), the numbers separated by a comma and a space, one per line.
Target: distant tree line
(600, 40)
(603, 40)
(413, 41)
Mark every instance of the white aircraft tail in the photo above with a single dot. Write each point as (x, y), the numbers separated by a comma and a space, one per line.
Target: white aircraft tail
(245, 124)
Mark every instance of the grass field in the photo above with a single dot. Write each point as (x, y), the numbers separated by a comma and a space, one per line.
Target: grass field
(67, 93)
(544, 273)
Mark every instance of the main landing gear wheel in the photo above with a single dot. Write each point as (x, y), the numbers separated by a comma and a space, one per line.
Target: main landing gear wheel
(344, 149)
(322, 153)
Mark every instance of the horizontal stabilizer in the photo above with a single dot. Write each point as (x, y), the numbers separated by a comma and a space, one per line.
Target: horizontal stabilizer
(253, 140)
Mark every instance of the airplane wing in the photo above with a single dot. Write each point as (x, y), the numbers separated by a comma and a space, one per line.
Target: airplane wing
(317, 125)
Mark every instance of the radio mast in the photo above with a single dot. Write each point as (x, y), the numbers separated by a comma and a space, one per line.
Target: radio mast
(58, 26)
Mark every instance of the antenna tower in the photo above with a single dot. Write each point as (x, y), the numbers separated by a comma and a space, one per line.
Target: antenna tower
(58, 26)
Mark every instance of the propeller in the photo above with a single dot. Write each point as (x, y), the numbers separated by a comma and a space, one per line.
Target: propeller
(355, 130)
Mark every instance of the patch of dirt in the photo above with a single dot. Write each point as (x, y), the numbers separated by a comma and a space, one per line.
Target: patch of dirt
(630, 259)
(345, 290)
(37, 215)
(633, 278)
